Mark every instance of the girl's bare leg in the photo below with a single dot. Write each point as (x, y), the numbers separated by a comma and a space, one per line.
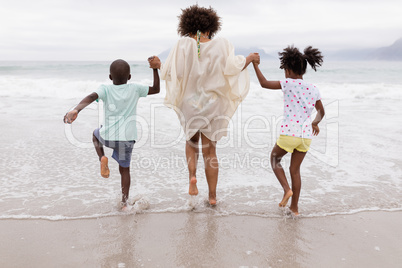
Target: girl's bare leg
(295, 162)
(192, 152)
(211, 166)
(276, 157)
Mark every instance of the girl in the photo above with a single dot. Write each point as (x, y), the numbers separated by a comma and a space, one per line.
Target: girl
(300, 99)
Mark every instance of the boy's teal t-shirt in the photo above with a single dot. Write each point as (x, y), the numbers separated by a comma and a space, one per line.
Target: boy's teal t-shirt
(120, 109)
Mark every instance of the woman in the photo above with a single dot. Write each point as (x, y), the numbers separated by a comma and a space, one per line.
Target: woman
(205, 83)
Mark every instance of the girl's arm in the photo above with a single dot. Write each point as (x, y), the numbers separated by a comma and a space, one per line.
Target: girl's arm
(263, 82)
(320, 115)
(72, 115)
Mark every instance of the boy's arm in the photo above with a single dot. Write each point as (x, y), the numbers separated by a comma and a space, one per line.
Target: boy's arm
(320, 115)
(156, 86)
(263, 82)
(72, 115)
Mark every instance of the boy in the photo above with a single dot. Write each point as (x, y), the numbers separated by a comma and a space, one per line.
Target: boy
(120, 105)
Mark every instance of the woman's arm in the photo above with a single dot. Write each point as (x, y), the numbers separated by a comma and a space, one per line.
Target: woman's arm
(264, 82)
(252, 57)
(72, 115)
(320, 115)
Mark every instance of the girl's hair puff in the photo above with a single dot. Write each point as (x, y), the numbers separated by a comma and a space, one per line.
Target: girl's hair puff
(196, 18)
(292, 59)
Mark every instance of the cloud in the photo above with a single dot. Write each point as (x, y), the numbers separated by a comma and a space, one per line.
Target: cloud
(104, 30)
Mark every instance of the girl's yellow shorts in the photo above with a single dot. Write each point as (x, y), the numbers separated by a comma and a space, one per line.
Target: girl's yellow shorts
(290, 143)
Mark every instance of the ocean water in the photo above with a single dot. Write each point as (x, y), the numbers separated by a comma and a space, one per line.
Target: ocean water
(51, 171)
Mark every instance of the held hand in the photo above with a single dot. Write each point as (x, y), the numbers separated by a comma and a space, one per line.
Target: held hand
(316, 129)
(154, 62)
(70, 117)
(255, 58)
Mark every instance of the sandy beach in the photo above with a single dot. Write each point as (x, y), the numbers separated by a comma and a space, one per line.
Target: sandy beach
(366, 239)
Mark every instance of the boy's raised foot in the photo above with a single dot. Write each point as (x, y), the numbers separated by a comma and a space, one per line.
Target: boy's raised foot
(193, 190)
(285, 198)
(104, 167)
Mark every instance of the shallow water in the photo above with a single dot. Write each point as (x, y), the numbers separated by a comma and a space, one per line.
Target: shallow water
(51, 170)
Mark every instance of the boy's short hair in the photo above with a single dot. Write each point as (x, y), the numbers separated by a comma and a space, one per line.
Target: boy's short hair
(120, 70)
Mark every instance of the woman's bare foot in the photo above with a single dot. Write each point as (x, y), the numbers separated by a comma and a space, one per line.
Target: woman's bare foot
(212, 199)
(285, 198)
(104, 167)
(192, 189)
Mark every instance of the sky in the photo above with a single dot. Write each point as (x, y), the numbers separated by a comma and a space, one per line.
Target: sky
(133, 30)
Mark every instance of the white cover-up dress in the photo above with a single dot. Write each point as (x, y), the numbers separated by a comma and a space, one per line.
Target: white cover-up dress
(205, 91)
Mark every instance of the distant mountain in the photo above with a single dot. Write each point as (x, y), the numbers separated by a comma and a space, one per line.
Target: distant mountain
(238, 51)
(348, 54)
(390, 53)
(163, 55)
(246, 51)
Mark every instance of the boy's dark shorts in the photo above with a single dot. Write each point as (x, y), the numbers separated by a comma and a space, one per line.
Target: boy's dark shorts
(121, 149)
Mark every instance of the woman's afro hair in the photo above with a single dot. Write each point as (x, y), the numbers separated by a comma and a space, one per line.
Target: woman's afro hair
(196, 18)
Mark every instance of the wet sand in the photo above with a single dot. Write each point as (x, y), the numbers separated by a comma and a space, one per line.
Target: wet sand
(366, 239)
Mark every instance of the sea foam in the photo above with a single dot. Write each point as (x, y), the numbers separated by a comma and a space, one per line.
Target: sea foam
(349, 168)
